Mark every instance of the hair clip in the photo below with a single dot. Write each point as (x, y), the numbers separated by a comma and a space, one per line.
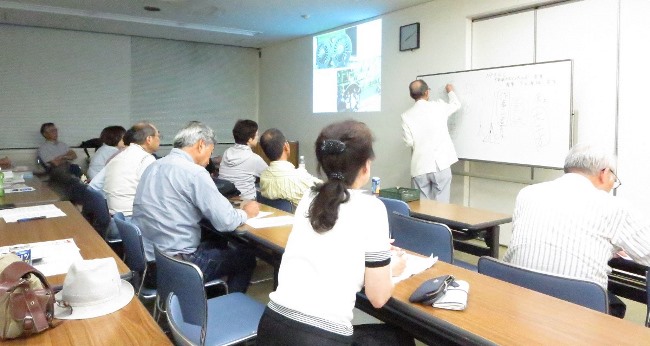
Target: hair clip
(337, 176)
(332, 146)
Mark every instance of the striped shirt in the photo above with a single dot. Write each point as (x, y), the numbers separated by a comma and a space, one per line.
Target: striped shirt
(320, 274)
(283, 180)
(568, 227)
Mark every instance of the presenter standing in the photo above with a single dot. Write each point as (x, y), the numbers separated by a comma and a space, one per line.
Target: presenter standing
(425, 130)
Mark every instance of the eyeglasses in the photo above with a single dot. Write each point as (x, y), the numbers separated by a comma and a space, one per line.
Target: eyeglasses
(617, 182)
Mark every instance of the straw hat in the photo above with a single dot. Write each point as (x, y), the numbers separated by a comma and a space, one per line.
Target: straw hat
(92, 288)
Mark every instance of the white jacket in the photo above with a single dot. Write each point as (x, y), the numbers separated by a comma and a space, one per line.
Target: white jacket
(425, 129)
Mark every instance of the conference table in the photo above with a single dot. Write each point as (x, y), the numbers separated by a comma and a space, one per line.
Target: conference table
(42, 194)
(497, 312)
(131, 325)
(465, 222)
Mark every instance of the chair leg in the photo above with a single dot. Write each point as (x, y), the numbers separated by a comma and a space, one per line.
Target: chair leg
(156, 310)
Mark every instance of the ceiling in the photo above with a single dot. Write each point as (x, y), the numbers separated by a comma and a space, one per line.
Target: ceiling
(244, 23)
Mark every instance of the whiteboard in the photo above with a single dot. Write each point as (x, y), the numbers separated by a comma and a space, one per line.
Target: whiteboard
(513, 114)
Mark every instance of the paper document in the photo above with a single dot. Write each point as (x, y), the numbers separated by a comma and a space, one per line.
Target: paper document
(270, 221)
(31, 213)
(455, 298)
(16, 179)
(414, 265)
(50, 257)
(262, 214)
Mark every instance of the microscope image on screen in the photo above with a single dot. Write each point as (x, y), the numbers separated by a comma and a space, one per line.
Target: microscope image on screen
(347, 69)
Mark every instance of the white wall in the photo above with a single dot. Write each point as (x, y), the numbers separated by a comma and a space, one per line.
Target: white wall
(634, 116)
(85, 81)
(446, 43)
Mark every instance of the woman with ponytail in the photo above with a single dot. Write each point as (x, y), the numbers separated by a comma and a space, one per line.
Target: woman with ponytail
(338, 245)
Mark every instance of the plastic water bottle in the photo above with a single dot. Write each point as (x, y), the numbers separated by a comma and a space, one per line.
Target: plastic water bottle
(2, 184)
(301, 162)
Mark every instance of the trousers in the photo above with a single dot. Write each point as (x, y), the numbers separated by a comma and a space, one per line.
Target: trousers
(434, 185)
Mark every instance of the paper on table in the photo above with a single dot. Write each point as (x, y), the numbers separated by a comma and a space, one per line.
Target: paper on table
(455, 298)
(262, 214)
(270, 221)
(51, 257)
(414, 265)
(38, 211)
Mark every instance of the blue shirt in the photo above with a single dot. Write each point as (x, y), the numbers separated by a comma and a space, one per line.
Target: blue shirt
(173, 195)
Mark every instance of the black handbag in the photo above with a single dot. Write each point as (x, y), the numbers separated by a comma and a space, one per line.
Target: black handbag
(226, 187)
(431, 290)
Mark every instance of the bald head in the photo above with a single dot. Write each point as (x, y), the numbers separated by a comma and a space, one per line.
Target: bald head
(418, 89)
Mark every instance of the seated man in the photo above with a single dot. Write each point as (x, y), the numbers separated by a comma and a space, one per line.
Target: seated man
(175, 193)
(54, 153)
(240, 165)
(572, 226)
(121, 175)
(282, 179)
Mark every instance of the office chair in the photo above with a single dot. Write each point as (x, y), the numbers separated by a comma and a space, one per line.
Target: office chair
(279, 203)
(164, 286)
(196, 320)
(394, 205)
(425, 238)
(95, 210)
(581, 292)
(134, 256)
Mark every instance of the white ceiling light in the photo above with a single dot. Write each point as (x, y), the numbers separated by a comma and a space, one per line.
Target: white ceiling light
(122, 17)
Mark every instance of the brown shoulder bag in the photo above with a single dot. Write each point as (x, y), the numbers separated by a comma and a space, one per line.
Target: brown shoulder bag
(26, 299)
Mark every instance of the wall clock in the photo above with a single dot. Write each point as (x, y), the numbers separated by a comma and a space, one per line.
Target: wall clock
(409, 37)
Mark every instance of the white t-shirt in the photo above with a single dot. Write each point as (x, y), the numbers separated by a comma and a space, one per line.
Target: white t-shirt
(99, 159)
(119, 179)
(320, 274)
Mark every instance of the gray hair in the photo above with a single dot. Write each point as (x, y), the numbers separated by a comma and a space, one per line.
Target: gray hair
(192, 133)
(589, 159)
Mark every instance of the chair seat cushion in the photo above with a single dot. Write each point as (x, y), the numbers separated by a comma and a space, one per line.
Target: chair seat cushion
(232, 318)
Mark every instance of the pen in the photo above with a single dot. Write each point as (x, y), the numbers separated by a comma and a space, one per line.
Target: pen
(31, 218)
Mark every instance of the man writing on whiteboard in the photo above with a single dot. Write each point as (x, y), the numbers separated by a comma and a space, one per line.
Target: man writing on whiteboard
(425, 130)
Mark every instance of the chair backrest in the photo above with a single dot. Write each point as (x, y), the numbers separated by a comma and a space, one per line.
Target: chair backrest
(423, 237)
(281, 204)
(132, 242)
(581, 292)
(185, 280)
(95, 210)
(394, 205)
(119, 216)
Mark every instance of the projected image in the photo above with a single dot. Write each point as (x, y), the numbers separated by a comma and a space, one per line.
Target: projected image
(347, 69)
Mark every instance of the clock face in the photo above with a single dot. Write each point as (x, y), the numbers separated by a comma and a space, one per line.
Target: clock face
(409, 37)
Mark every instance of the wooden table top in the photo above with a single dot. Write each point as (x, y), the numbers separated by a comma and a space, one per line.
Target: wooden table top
(42, 195)
(457, 216)
(131, 325)
(498, 311)
(273, 237)
(507, 314)
(73, 225)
